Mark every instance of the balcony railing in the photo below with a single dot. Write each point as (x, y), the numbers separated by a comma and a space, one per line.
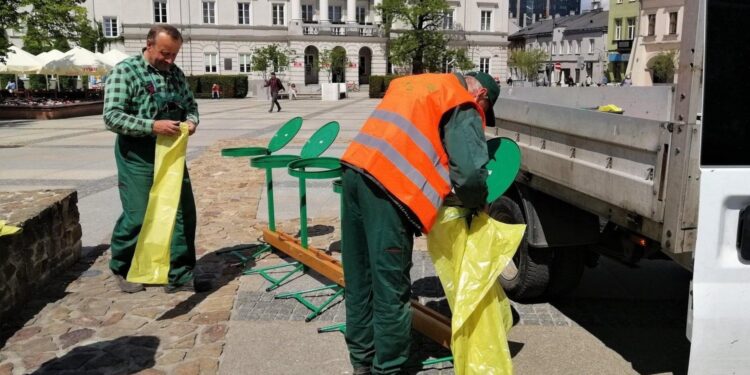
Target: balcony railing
(341, 30)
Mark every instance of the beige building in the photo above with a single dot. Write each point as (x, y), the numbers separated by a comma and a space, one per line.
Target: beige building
(221, 35)
(659, 32)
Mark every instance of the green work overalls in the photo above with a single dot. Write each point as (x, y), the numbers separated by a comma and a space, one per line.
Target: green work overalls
(135, 174)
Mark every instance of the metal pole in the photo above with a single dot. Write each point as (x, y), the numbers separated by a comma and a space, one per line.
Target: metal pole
(269, 192)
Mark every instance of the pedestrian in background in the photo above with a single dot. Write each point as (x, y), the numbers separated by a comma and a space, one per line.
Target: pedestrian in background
(423, 141)
(215, 90)
(145, 96)
(274, 84)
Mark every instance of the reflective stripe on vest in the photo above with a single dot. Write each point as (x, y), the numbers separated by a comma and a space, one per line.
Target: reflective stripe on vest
(417, 137)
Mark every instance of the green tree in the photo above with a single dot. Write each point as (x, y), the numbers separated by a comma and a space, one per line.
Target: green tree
(663, 67)
(528, 62)
(10, 17)
(455, 58)
(271, 58)
(50, 24)
(92, 37)
(332, 60)
(423, 39)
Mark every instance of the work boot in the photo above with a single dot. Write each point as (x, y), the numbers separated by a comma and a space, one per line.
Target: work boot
(193, 286)
(361, 371)
(127, 286)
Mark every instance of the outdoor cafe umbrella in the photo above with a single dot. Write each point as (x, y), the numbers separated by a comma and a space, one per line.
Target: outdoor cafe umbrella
(20, 61)
(77, 61)
(115, 56)
(48, 56)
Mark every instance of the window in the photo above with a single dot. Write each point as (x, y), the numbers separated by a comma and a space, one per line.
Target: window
(591, 45)
(651, 24)
(209, 12)
(243, 13)
(160, 11)
(307, 13)
(575, 47)
(566, 45)
(486, 20)
(245, 62)
(618, 29)
(672, 23)
(334, 13)
(484, 65)
(554, 48)
(209, 60)
(277, 15)
(361, 15)
(111, 28)
(631, 28)
(448, 20)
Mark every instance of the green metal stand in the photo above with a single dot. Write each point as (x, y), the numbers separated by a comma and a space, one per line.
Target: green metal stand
(316, 309)
(276, 282)
(435, 361)
(339, 327)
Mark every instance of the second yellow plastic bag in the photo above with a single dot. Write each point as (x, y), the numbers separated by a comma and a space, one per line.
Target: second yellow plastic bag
(468, 262)
(151, 260)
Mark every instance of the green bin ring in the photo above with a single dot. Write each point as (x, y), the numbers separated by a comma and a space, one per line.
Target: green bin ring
(326, 167)
(244, 151)
(337, 186)
(273, 161)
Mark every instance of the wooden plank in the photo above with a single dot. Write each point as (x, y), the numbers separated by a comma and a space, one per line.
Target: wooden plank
(424, 319)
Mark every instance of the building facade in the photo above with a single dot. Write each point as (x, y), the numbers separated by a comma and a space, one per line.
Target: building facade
(530, 11)
(660, 33)
(222, 35)
(623, 27)
(576, 47)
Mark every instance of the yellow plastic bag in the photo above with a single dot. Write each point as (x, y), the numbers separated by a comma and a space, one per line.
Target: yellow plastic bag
(7, 230)
(468, 262)
(151, 260)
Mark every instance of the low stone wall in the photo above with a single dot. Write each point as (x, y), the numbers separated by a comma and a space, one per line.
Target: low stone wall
(49, 243)
(10, 112)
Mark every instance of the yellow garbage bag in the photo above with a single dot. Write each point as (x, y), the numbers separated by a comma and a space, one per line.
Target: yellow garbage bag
(151, 260)
(468, 262)
(7, 230)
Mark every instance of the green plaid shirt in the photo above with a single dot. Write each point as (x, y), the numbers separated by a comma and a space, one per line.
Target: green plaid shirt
(129, 103)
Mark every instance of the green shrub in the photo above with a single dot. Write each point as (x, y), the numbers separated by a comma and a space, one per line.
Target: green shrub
(376, 86)
(4, 78)
(232, 86)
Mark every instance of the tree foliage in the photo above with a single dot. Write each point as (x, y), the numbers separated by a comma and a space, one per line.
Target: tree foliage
(271, 58)
(332, 60)
(528, 62)
(10, 17)
(663, 66)
(423, 41)
(50, 24)
(92, 37)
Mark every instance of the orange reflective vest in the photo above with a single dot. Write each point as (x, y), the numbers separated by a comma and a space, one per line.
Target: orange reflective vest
(399, 145)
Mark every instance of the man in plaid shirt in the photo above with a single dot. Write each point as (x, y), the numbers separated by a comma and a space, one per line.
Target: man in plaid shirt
(145, 96)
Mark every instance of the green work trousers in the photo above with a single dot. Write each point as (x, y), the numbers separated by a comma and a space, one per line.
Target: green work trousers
(135, 173)
(376, 252)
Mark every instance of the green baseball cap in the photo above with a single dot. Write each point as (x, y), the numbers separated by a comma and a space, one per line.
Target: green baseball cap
(493, 91)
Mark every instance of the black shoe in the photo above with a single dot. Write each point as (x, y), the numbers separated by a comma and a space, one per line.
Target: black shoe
(279, 110)
(270, 110)
(127, 286)
(193, 286)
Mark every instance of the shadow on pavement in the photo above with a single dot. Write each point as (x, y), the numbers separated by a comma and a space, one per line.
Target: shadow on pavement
(220, 267)
(51, 291)
(125, 355)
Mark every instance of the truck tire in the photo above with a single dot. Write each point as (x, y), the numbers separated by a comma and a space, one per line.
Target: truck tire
(527, 276)
(566, 270)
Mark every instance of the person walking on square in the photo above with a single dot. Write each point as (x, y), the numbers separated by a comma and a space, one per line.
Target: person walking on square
(145, 96)
(423, 141)
(274, 84)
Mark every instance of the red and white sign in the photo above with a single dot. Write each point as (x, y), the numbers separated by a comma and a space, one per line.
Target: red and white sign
(558, 66)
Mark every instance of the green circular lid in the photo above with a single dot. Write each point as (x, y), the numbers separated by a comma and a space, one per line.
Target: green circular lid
(316, 168)
(338, 187)
(273, 161)
(244, 151)
(320, 140)
(285, 134)
(505, 161)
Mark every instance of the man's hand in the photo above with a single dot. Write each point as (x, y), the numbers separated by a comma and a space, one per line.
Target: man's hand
(167, 127)
(191, 127)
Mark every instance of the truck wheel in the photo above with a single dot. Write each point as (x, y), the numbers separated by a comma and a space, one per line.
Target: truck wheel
(566, 270)
(527, 275)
